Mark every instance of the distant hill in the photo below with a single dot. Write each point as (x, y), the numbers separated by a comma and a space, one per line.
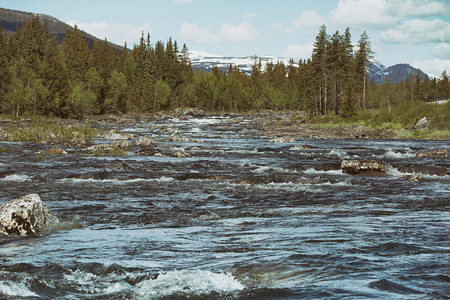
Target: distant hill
(10, 20)
(397, 73)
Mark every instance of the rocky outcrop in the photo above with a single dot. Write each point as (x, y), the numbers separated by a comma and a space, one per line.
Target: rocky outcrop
(149, 152)
(177, 138)
(301, 147)
(145, 141)
(412, 177)
(366, 167)
(180, 154)
(438, 153)
(117, 136)
(24, 215)
(423, 123)
(110, 146)
(283, 139)
(361, 132)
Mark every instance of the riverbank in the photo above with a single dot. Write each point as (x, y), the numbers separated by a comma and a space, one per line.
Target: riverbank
(268, 123)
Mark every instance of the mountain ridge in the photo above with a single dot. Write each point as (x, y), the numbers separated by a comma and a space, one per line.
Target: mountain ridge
(11, 19)
(377, 71)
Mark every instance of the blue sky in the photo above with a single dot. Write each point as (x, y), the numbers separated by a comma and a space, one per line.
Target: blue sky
(416, 32)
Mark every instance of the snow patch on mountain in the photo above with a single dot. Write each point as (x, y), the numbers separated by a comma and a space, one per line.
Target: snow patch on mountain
(206, 61)
(376, 70)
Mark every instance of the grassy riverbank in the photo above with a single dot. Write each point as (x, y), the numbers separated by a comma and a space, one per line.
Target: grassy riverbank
(398, 123)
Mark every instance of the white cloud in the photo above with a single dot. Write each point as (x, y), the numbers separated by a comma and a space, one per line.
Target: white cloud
(298, 51)
(244, 32)
(433, 67)
(418, 31)
(363, 14)
(418, 7)
(309, 19)
(115, 33)
(442, 51)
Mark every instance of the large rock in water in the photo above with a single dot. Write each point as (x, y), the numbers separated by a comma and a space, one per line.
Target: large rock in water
(24, 215)
(367, 167)
(436, 153)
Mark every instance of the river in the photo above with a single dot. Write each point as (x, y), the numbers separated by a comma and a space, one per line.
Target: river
(241, 218)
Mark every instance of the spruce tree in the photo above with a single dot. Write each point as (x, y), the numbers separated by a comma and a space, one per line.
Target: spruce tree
(363, 57)
(319, 63)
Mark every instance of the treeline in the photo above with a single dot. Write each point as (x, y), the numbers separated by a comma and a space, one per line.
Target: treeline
(38, 76)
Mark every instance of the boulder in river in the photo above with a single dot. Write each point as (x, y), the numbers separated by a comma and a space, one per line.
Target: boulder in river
(283, 139)
(437, 153)
(149, 152)
(145, 141)
(367, 167)
(180, 154)
(24, 215)
(117, 136)
(301, 147)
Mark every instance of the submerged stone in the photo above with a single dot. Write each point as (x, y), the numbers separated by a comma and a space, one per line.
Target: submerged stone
(24, 215)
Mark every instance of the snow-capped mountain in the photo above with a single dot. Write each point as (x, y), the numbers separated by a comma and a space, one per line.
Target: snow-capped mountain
(377, 71)
(205, 61)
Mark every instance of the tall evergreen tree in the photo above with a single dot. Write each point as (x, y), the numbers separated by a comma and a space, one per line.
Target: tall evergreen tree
(76, 53)
(363, 57)
(319, 63)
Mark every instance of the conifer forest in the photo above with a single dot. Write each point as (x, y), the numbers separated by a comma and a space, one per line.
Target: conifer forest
(73, 79)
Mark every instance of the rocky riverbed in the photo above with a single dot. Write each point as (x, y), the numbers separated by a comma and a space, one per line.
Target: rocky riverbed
(226, 206)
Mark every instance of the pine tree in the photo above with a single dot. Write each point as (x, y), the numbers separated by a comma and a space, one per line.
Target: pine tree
(76, 53)
(320, 71)
(363, 57)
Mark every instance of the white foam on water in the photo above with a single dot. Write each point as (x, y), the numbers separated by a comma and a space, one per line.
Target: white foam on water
(339, 153)
(90, 283)
(19, 289)
(165, 179)
(289, 186)
(346, 182)
(392, 171)
(115, 181)
(390, 153)
(331, 172)
(188, 282)
(17, 178)
(206, 121)
(264, 169)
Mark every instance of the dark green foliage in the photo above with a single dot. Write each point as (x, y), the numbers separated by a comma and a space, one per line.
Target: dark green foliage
(41, 77)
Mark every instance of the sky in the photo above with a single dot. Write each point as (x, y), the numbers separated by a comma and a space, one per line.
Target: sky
(416, 32)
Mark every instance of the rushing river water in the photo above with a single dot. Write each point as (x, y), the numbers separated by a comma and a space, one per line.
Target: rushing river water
(242, 218)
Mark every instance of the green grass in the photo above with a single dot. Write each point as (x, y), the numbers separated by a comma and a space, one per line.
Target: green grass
(46, 130)
(110, 152)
